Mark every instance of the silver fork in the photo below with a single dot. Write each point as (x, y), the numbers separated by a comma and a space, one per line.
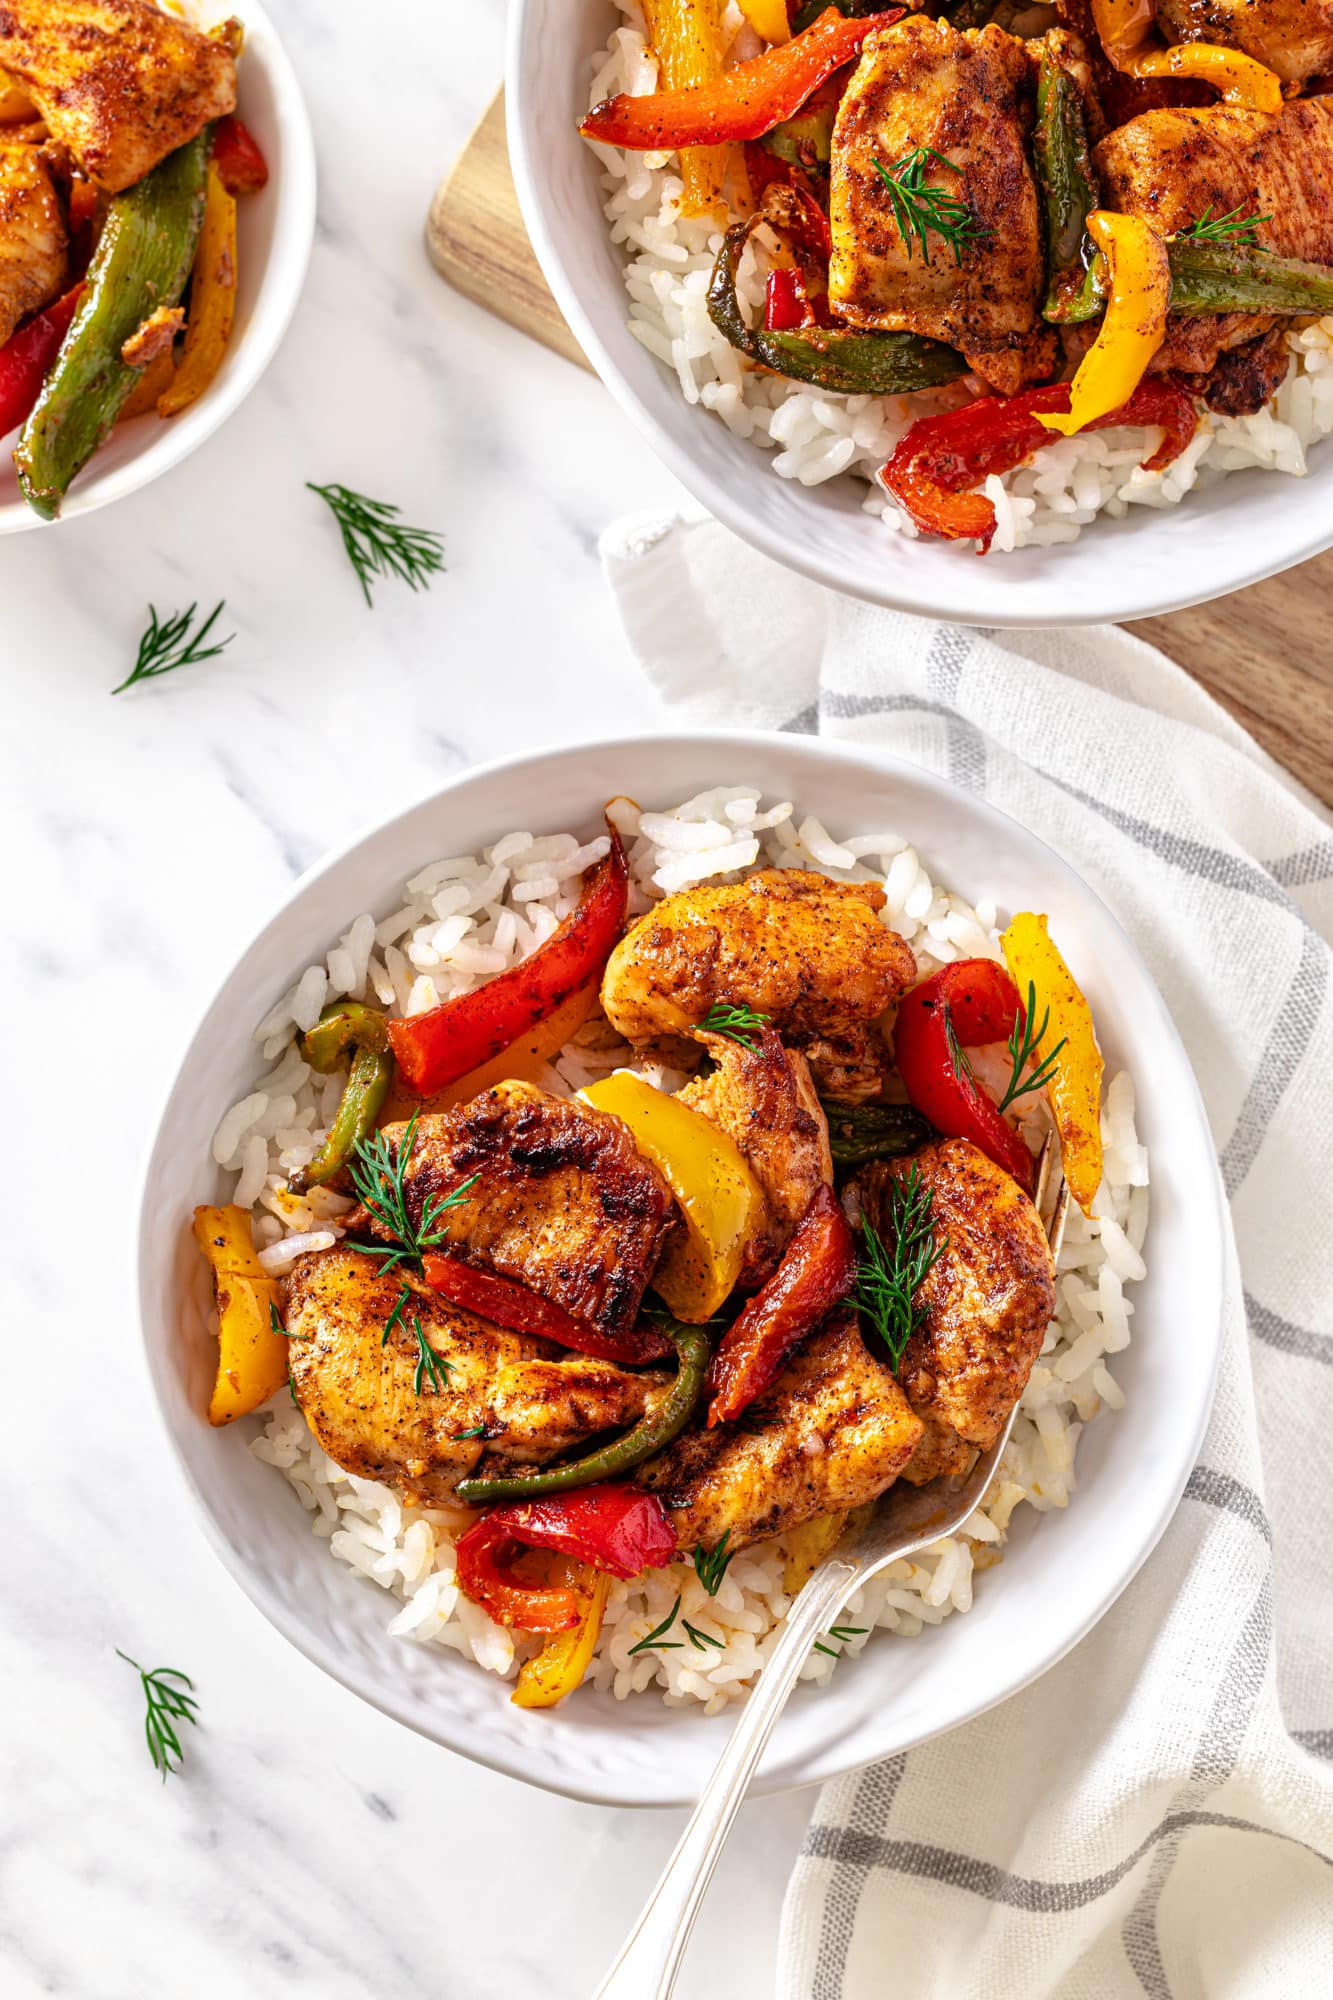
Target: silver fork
(908, 1518)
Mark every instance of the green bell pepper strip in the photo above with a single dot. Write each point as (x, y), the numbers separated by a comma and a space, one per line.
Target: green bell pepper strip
(346, 1025)
(142, 261)
(861, 1132)
(1215, 278)
(343, 1026)
(844, 363)
(650, 1435)
(1065, 177)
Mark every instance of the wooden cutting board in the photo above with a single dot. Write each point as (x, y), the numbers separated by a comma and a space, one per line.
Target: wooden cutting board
(1262, 652)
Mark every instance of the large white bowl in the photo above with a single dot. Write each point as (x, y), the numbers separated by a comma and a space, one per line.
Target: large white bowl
(1248, 526)
(274, 232)
(1061, 1571)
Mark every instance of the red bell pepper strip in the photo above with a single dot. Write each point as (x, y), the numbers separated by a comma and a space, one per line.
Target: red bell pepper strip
(746, 102)
(818, 1269)
(436, 1048)
(237, 156)
(27, 355)
(971, 1001)
(615, 1527)
(942, 457)
(785, 303)
(510, 1304)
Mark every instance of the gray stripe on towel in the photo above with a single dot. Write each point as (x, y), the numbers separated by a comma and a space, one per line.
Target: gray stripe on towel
(1274, 1331)
(1282, 1054)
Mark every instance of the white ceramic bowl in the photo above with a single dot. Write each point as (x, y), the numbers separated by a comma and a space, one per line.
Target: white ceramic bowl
(274, 233)
(1061, 1571)
(1246, 527)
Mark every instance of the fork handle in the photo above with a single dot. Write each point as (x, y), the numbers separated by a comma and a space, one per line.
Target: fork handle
(647, 1966)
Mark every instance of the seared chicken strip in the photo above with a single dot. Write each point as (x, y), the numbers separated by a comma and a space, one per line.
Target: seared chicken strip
(834, 1432)
(32, 236)
(970, 98)
(1173, 166)
(985, 1303)
(563, 1200)
(117, 81)
(1293, 38)
(763, 1098)
(810, 954)
(359, 1390)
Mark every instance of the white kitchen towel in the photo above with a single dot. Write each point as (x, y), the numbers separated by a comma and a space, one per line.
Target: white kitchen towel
(1156, 1815)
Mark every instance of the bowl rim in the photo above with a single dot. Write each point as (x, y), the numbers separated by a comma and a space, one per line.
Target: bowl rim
(499, 1755)
(1250, 557)
(284, 281)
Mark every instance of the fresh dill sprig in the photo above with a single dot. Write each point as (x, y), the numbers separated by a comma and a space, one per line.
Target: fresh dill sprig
(710, 1565)
(378, 543)
(379, 1176)
(277, 1326)
(477, 1431)
(889, 1274)
(166, 646)
(958, 1056)
(920, 206)
(396, 1311)
(430, 1365)
(167, 1705)
(1232, 227)
(700, 1640)
(1024, 1042)
(738, 1024)
(656, 1639)
(842, 1633)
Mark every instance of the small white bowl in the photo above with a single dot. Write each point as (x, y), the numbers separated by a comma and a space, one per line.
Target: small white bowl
(1154, 560)
(1061, 1570)
(274, 233)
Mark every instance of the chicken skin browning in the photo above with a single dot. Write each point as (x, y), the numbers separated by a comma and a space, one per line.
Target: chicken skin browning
(985, 1304)
(32, 237)
(764, 1099)
(1172, 166)
(564, 1202)
(810, 954)
(117, 81)
(970, 98)
(834, 1432)
(1293, 38)
(359, 1395)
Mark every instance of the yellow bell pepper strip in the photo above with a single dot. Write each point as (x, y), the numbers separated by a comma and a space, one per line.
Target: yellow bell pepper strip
(768, 18)
(719, 1198)
(154, 382)
(212, 300)
(522, 1062)
(1124, 28)
(1240, 79)
(1074, 1085)
(252, 1358)
(807, 1545)
(563, 1661)
(686, 38)
(1134, 325)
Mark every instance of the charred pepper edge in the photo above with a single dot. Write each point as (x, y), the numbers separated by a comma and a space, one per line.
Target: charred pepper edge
(841, 362)
(1062, 158)
(1211, 278)
(650, 1435)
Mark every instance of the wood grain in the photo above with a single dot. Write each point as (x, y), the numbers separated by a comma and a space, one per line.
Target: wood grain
(1261, 652)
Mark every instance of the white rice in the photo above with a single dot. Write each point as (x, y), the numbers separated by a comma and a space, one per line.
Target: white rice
(815, 436)
(461, 918)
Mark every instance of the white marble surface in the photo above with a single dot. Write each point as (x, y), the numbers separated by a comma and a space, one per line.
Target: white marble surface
(311, 1848)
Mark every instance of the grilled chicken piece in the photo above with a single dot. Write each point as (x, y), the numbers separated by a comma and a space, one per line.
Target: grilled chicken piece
(970, 98)
(763, 1098)
(809, 953)
(1293, 38)
(564, 1201)
(985, 1304)
(1172, 166)
(32, 237)
(834, 1432)
(1242, 380)
(358, 1391)
(117, 81)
